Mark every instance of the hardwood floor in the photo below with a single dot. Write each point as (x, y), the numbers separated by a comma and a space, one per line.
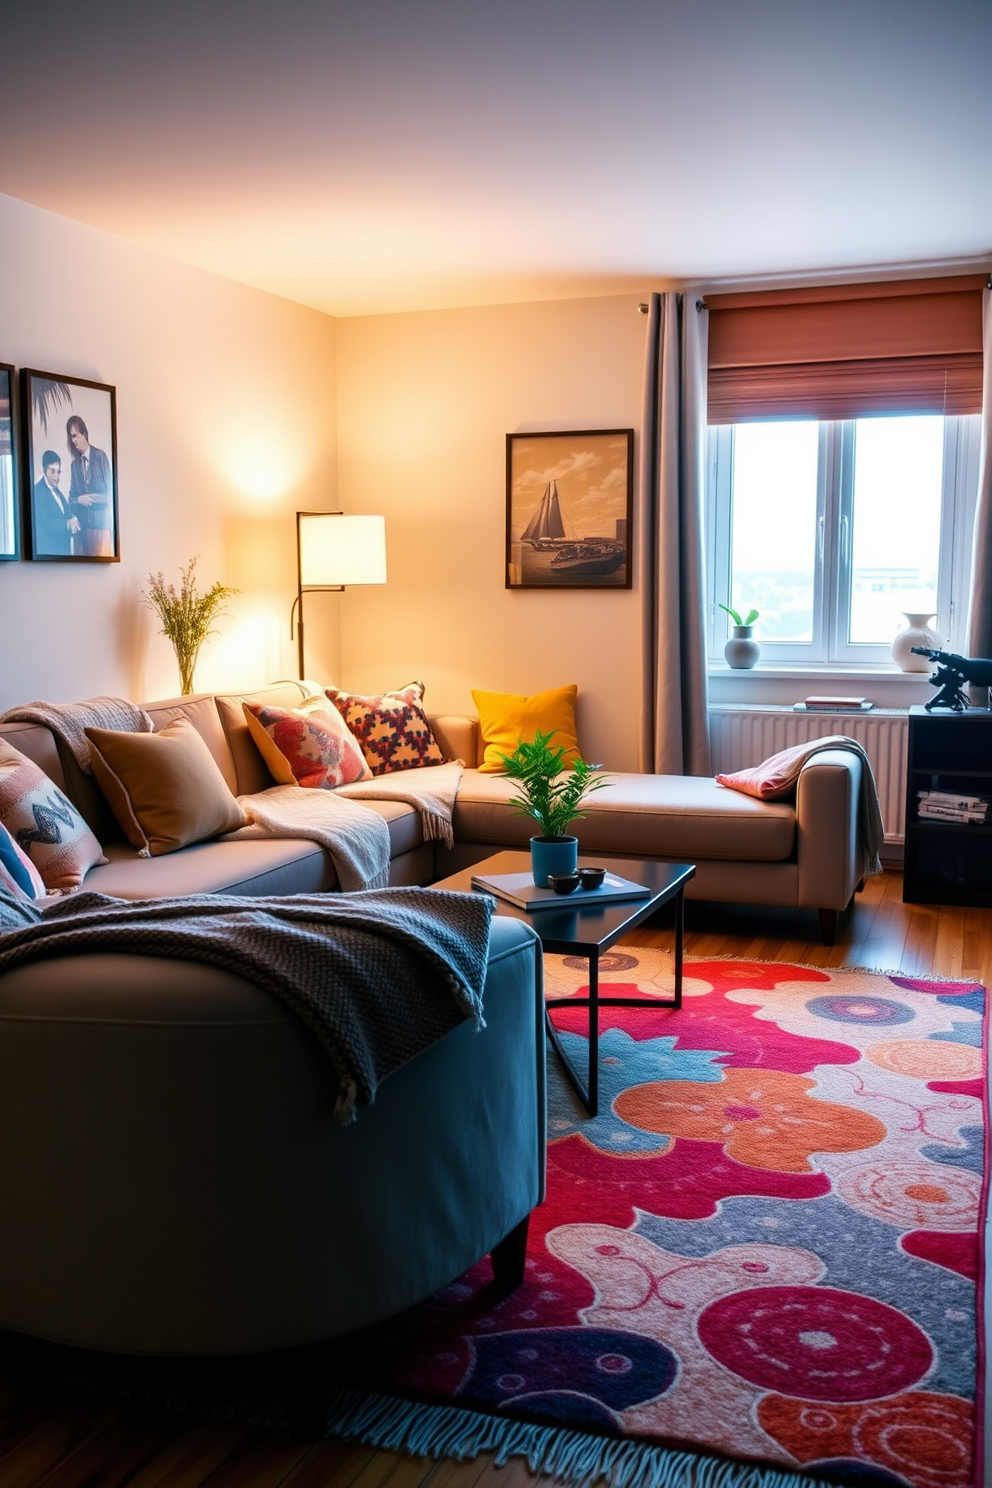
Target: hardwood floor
(55, 1437)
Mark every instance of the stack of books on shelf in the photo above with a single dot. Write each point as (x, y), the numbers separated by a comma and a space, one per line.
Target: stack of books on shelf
(827, 704)
(947, 806)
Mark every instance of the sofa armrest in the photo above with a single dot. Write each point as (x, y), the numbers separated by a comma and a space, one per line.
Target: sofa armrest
(828, 839)
(458, 737)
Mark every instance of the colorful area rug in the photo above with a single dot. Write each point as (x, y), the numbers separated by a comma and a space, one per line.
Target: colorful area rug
(767, 1247)
(759, 1267)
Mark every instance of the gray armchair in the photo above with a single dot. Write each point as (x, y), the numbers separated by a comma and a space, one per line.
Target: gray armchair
(174, 1180)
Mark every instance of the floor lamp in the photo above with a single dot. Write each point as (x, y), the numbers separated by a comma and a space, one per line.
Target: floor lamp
(333, 552)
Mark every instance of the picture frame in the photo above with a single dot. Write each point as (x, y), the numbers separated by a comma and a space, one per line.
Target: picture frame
(569, 509)
(10, 523)
(70, 468)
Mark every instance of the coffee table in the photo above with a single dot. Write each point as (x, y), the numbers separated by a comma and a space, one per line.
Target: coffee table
(589, 930)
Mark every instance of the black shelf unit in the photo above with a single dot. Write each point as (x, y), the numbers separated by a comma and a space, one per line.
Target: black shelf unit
(948, 862)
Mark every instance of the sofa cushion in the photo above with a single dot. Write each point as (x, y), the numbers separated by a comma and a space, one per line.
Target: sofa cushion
(202, 714)
(165, 789)
(391, 728)
(670, 816)
(44, 822)
(246, 865)
(255, 866)
(507, 717)
(310, 746)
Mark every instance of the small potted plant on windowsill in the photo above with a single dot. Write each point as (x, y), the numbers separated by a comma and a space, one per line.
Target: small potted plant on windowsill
(552, 797)
(741, 650)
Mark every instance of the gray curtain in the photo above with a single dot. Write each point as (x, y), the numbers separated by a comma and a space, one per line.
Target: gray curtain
(671, 574)
(980, 602)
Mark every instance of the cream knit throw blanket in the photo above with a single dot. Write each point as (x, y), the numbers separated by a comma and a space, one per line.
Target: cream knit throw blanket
(431, 791)
(356, 839)
(68, 721)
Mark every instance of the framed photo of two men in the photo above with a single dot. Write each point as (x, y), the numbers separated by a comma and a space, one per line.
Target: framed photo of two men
(71, 468)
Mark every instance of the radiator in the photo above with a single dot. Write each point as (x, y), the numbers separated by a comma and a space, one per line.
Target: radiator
(744, 736)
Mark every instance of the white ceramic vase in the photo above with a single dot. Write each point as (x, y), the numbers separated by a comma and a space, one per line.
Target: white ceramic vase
(917, 633)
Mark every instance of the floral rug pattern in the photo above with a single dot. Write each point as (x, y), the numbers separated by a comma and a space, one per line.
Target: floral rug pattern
(767, 1245)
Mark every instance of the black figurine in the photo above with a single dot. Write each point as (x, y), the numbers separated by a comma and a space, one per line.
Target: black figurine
(953, 675)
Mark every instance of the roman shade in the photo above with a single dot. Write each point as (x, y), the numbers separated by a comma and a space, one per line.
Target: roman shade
(844, 351)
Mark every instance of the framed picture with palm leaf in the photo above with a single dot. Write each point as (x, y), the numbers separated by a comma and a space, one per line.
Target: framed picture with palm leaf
(10, 546)
(70, 468)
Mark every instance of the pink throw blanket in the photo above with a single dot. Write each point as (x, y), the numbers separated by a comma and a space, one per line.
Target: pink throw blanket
(777, 776)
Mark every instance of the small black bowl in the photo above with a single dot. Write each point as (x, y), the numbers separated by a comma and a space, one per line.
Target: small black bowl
(564, 883)
(592, 878)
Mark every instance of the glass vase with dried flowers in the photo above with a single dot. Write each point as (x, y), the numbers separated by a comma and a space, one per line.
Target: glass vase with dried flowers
(187, 616)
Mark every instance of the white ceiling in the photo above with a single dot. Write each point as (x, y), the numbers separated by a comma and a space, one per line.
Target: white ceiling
(363, 156)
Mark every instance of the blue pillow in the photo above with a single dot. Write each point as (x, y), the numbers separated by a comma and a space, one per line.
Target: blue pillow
(13, 867)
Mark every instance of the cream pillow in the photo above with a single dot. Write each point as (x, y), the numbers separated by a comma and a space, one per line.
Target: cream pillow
(165, 789)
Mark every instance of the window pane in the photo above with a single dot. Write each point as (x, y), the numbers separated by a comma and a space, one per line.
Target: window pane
(773, 535)
(898, 475)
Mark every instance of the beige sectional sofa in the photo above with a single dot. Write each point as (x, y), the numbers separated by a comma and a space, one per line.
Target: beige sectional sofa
(807, 854)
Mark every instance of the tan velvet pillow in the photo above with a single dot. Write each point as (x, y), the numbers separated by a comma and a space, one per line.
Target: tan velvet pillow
(165, 789)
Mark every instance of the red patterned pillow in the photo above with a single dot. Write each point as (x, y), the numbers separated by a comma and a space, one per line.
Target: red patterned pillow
(391, 727)
(308, 746)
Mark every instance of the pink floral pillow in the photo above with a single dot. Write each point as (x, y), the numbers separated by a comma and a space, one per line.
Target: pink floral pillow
(391, 727)
(308, 746)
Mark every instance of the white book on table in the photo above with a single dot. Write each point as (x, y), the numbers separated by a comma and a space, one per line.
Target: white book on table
(521, 890)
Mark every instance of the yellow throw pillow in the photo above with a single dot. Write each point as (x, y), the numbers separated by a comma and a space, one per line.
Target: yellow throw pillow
(165, 789)
(507, 717)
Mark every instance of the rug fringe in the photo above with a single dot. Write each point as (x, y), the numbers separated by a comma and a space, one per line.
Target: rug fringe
(573, 1456)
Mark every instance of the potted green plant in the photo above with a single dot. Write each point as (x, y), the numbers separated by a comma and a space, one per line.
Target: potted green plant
(741, 651)
(552, 796)
(187, 616)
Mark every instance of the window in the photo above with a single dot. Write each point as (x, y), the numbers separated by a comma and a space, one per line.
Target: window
(833, 529)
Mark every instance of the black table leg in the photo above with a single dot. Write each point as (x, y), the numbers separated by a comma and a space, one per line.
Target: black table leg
(593, 1102)
(679, 931)
(589, 1094)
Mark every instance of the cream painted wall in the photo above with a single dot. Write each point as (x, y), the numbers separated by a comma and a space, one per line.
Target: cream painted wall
(226, 425)
(424, 404)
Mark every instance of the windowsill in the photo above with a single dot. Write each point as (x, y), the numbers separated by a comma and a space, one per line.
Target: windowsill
(796, 671)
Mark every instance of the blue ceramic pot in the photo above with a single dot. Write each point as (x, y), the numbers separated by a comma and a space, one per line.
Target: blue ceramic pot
(552, 855)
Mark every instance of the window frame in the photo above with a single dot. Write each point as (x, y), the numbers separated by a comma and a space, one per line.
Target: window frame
(833, 545)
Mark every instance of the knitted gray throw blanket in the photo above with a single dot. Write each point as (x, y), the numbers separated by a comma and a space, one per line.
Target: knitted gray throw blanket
(68, 721)
(378, 976)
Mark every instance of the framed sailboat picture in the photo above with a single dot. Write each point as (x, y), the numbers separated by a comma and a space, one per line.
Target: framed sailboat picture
(569, 499)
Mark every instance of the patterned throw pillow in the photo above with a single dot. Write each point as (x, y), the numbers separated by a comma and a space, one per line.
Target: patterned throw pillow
(391, 727)
(308, 746)
(44, 823)
(18, 875)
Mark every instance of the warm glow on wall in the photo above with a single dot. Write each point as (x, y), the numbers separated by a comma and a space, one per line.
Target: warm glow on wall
(249, 652)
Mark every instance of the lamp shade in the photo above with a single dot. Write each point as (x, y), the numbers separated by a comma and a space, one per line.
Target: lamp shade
(340, 550)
